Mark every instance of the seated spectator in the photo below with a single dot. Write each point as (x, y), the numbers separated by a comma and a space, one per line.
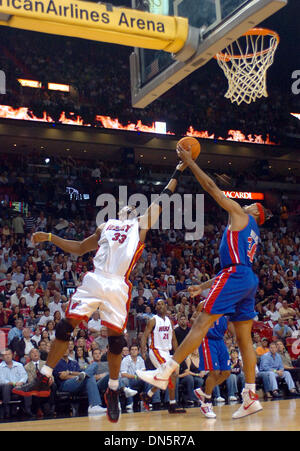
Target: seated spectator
(58, 316)
(129, 365)
(186, 383)
(181, 285)
(236, 381)
(3, 315)
(15, 332)
(43, 348)
(31, 297)
(272, 313)
(36, 336)
(15, 298)
(24, 309)
(293, 325)
(45, 318)
(193, 362)
(71, 350)
(81, 356)
(17, 275)
(182, 329)
(140, 310)
(50, 328)
(12, 374)
(286, 312)
(183, 306)
(259, 311)
(152, 304)
(264, 348)
(281, 330)
(256, 341)
(24, 345)
(46, 405)
(55, 304)
(288, 364)
(40, 306)
(32, 321)
(271, 369)
(69, 378)
(94, 324)
(102, 340)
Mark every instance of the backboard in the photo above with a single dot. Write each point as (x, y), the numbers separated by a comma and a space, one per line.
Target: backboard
(213, 24)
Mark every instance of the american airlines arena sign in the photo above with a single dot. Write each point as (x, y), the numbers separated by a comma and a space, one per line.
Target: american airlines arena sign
(243, 195)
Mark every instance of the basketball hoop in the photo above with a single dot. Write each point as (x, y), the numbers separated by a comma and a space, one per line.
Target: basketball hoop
(245, 63)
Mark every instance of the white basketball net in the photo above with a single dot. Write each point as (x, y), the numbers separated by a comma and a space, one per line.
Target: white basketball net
(245, 63)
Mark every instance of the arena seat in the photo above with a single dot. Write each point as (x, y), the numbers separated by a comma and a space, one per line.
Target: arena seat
(71, 402)
(294, 353)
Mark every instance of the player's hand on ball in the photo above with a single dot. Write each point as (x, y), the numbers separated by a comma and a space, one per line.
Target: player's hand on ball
(195, 290)
(184, 155)
(39, 237)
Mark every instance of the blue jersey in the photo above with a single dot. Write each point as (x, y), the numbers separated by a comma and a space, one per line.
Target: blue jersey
(239, 247)
(219, 328)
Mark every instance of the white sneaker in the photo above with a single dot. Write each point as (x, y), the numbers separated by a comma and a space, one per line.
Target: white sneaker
(96, 410)
(200, 395)
(129, 392)
(159, 378)
(232, 398)
(207, 410)
(220, 399)
(250, 404)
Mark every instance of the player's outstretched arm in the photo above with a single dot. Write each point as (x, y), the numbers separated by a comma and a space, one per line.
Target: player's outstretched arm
(72, 247)
(209, 185)
(152, 214)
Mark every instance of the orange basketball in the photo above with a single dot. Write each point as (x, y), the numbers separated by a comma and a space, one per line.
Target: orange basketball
(192, 144)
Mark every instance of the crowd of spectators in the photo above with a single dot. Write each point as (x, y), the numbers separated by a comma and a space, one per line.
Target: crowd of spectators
(36, 283)
(99, 77)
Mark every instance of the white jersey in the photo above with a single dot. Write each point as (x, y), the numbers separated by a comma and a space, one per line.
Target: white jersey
(119, 247)
(161, 335)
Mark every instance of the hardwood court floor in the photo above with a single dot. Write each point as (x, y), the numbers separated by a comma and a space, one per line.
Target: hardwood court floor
(283, 415)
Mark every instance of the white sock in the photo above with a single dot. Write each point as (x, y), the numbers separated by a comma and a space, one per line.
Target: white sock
(172, 401)
(251, 387)
(47, 371)
(113, 384)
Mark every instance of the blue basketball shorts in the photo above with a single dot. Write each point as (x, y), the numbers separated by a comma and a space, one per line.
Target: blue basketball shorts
(213, 355)
(233, 294)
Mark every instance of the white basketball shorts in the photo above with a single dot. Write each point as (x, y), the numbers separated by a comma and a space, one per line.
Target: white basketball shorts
(158, 357)
(108, 292)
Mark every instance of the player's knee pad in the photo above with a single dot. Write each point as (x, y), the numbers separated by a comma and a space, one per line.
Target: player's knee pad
(63, 330)
(116, 343)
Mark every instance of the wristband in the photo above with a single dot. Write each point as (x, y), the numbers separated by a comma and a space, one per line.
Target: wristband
(49, 236)
(176, 174)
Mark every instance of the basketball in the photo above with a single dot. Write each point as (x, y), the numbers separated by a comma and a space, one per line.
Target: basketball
(192, 144)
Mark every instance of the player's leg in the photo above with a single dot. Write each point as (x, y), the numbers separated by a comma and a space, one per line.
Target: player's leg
(116, 342)
(173, 407)
(40, 386)
(205, 395)
(244, 340)
(61, 342)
